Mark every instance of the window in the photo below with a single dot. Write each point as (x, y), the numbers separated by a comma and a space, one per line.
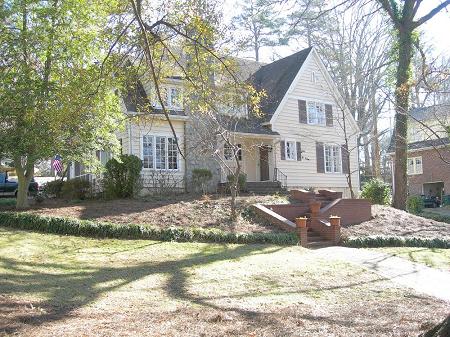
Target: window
(147, 149)
(316, 113)
(415, 165)
(314, 77)
(333, 161)
(160, 153)
(228, 152)
(171, 97)
(291, 151)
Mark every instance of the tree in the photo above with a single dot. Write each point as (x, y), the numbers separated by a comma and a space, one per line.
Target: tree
(56, 96)
(403, 16)
(258, 26)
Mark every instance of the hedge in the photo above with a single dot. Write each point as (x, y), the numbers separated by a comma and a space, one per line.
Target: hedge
(435, 216)
(72, 226)
(394, 241)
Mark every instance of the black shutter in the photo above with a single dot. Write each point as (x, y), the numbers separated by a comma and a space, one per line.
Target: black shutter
(329, 114)
(345, 159)
(299, 151)
(283, 151)
(302, 116)
(319, 158)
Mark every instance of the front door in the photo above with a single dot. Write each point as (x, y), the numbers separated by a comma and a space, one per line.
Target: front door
(264, 162)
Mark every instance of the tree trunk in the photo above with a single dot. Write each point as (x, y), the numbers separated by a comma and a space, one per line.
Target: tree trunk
(367, 166)
(402, 90)
(376, 161)
(24, 177)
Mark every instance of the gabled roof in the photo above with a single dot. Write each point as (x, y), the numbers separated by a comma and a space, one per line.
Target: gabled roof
(275, 79)
(439, 111)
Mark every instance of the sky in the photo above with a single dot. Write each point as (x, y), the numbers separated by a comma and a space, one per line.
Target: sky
(436, 32)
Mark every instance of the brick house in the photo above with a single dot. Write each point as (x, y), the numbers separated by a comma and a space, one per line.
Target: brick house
(298, 141)
(428, 151)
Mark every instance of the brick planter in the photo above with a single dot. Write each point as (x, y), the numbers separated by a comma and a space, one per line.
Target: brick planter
(302, 230)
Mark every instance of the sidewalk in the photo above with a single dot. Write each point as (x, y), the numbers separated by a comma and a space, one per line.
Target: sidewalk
(421, 278)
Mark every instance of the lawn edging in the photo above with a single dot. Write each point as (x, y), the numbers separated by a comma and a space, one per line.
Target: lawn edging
(394, 241)
(88, 228)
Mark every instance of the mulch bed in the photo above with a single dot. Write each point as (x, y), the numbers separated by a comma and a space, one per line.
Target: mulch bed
(390, 221)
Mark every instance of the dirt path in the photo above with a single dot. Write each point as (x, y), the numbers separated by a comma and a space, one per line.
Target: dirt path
(421, 278)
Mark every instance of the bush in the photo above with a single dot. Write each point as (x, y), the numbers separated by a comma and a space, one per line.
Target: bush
(414, 204)
(435, 217)
(122, 178)
(53, 188)
(242, 180)
(71, 226)
(377, 192)
(395, 241)
(200, 177)
(76, 189)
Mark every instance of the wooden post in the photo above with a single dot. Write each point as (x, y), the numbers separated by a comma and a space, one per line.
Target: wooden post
(302, 230)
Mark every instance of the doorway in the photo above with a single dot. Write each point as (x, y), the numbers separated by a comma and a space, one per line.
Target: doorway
(264, 163)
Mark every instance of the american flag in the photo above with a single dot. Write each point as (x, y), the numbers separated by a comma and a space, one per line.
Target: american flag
(57, 163)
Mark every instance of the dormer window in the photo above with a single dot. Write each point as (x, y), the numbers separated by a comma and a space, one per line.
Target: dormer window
(171, 98)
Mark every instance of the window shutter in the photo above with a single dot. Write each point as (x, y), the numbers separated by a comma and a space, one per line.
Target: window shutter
(344, 155)
(319, 158)
(283, 150)
(329, 114)
(299, 151)
(302, 116)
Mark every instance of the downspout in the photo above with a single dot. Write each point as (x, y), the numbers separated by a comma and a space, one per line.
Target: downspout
(185, 157)
(130, 142)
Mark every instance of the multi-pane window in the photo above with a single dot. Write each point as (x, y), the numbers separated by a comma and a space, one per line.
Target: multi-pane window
(415, 165)
(291, 151)
(316, 113)
(147, 149)
(228, 151)
(160, 153)
(171, 97)
(333, 160)
(172, 154)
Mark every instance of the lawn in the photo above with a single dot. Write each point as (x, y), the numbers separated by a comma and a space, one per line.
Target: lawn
(432, 257)
(60, 285)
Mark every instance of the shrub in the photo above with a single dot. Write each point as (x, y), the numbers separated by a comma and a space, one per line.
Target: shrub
(76, 189)
(71, 226)
(436, 217)
(122, 178)
(377, 192)
(53, 188)
(242, 180)
(200, 177)
(414, 204)
(395, 241)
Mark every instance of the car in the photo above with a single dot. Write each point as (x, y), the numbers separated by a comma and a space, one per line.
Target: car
(9, 187)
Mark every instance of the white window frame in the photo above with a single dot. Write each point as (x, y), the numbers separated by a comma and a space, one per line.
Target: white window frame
(333, 169)
(166, 151)
(166, 93)
(323, 121)
(230, 155)
(416, 169)
(294, 146)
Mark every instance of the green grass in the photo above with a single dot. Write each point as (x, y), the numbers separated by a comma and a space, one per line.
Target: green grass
(7, 202)
(432, 257)
(142, 287)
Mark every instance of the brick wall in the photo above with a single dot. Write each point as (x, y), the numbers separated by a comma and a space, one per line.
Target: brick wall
(434, 170)
(351, 211)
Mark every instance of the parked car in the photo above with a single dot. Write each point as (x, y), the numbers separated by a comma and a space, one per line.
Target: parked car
(9, 187)
(431, 202)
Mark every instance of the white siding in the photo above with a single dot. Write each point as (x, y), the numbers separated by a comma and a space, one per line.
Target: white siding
(304, 173)
(154, 127)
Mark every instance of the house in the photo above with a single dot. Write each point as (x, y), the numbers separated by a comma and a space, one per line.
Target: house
(298, 141)
(428, 151)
